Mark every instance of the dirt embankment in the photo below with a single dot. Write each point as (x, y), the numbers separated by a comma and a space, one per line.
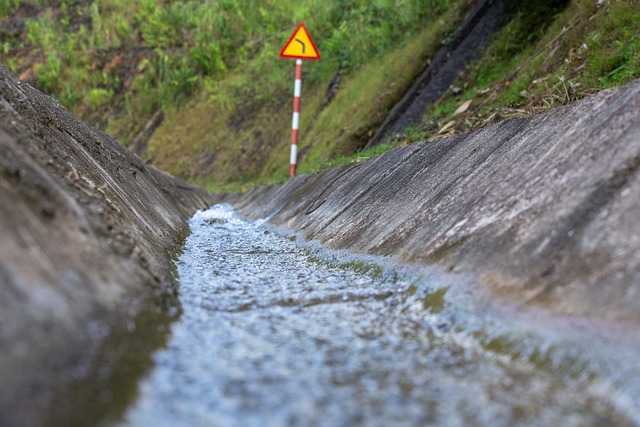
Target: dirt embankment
(86, 228)
(544, 209)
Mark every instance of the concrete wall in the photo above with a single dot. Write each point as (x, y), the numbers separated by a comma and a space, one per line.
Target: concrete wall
(85, 230)
(543, 209)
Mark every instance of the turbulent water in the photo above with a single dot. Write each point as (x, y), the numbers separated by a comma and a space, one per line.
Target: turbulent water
(274, 333)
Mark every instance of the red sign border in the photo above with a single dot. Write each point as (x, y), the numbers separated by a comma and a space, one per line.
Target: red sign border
(301, 25)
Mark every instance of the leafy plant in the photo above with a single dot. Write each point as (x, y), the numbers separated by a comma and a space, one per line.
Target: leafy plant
(98, 97)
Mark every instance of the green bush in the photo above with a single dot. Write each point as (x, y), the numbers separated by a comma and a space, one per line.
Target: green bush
(98, 97)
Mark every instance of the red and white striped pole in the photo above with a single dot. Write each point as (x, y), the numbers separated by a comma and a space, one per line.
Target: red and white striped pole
(300, 46)
(297, 91)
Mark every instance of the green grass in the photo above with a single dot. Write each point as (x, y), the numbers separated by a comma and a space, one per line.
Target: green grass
(364, 100)
(543, 58)
(213, 68)
(8, 6)
(245, 132)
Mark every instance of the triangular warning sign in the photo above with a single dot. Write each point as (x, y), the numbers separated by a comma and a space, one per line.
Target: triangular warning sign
(300, 45)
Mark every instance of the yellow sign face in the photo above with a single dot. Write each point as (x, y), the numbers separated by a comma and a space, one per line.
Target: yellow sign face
(300, 45)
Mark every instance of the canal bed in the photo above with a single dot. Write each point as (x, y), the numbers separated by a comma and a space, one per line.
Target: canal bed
(277, 332)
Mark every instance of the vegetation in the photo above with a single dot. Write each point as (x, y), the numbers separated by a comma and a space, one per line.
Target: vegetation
(213, 68)
(240, 130)
(585, 47)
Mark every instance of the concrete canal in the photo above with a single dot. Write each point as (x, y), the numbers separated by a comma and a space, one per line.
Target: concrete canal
(277, 332)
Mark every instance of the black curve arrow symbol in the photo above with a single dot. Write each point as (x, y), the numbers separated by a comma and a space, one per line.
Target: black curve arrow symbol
(300, 41)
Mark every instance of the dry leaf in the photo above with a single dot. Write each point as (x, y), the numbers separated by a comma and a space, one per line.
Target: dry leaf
(447, 126)
(463, 107)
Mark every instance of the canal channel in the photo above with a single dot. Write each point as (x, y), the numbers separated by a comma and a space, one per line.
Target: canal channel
(279, 332)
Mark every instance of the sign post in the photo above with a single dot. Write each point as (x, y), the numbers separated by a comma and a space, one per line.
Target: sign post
(300, 46)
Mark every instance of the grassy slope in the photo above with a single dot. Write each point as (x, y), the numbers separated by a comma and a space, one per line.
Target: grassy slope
(242, 138)
(587, 47)
(213, 68)
(545, 57)
(246, 143)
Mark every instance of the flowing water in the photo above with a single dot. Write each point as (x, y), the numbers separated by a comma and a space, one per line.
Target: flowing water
(277, 333)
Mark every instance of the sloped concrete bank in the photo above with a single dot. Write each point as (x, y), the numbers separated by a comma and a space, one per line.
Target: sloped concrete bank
(543, 209)
(86, 228)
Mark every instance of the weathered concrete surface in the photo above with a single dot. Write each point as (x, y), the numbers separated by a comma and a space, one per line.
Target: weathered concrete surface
(544, 209)
(85, 228)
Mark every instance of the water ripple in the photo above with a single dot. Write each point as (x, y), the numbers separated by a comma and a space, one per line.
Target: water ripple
(272, 336)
